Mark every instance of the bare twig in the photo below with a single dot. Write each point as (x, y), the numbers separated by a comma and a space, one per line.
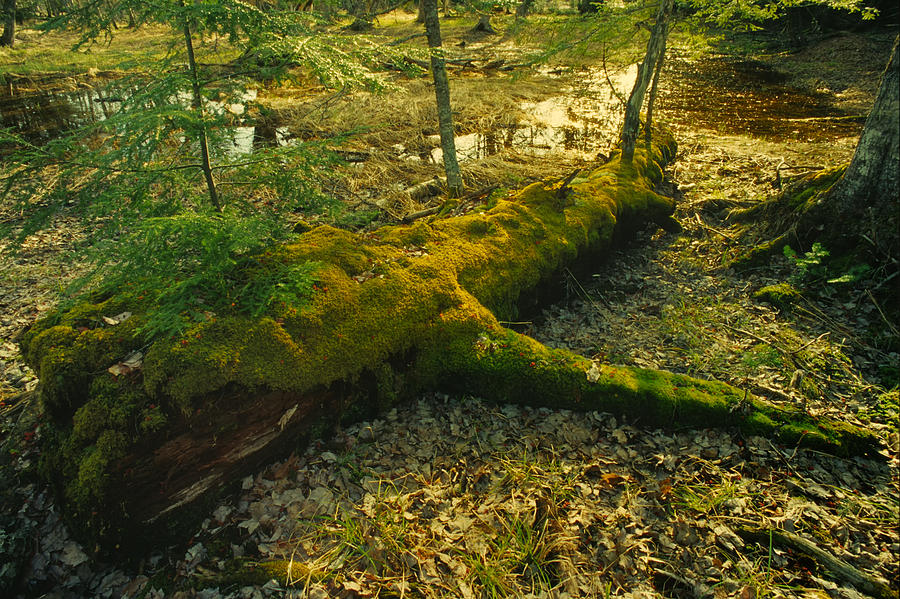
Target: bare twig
(609, 82)
(805, 345)
(714, 230)
(883, 317)
(584, 294)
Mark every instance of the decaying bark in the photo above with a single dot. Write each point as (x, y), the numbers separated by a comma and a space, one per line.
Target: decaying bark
(137, 445)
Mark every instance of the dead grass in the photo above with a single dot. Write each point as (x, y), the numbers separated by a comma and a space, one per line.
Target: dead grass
(396, 132)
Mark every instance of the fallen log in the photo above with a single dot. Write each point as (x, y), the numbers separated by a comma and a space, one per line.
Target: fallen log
(136, 445)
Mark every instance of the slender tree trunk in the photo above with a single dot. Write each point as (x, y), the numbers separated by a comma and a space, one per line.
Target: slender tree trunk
(651, 101)
(198, 106)
(113, 12)
(655, 48)
(442, 93)
(420, 17)
(8, 37)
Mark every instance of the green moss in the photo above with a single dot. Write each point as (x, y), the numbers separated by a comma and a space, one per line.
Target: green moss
(803, 194)
(65, 359)
(886, 410)
(427, 295)
(782, 295)
(761, 254)
(90, 486)
(504, 366)
(110, 407)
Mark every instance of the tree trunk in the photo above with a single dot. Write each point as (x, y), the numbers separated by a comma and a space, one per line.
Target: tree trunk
(523, 8)
(655, 47)
(651, 101)
(484, 25)
(362, 16)
(8, 38)
(852, 209)
(863, 204)
(197, 103)
(135, 452)
(442, 94)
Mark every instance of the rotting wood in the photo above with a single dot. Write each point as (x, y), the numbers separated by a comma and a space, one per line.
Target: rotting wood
(425, 189)
(392, 313)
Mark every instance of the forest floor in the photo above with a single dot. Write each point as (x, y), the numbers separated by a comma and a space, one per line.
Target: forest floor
(454, 497)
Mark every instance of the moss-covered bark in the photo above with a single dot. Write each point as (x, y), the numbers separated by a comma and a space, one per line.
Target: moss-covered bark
(391, 313)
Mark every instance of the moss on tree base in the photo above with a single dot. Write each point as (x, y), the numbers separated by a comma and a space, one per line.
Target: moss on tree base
(137, 450)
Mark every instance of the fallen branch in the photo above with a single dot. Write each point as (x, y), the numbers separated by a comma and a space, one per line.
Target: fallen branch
(420, 214)
(837, 567)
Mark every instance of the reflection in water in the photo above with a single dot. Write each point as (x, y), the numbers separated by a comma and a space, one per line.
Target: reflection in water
(39, 117)
(728, 96)
(584, 121)
(748, 97)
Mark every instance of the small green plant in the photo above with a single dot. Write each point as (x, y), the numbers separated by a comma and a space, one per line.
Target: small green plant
(522, 550)
(375, 537)
(762, 354)
(808, 268)
(705, 499)
(532, 550)
(814, 268)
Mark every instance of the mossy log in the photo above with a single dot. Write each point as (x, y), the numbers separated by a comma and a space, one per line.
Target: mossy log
(136, 452)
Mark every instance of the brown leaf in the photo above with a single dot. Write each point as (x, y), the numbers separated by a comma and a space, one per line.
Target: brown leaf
(613, 479)
(665, 487)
